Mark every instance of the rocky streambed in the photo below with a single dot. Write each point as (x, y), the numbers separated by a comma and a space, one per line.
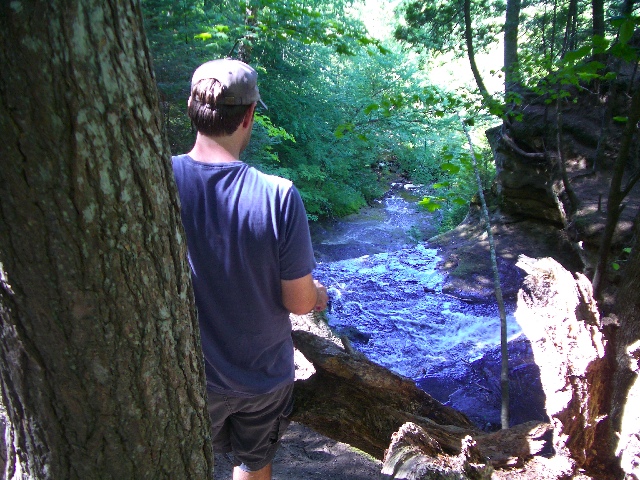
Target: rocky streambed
(389, 297)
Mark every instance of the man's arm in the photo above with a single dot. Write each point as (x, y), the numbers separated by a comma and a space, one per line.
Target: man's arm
(304, 294)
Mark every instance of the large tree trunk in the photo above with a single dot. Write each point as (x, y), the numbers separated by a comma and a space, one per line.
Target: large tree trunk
(100, 370)
(511, 24)
(625, 414)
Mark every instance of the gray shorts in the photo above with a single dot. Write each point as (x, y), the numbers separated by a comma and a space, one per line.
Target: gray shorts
(250, 427)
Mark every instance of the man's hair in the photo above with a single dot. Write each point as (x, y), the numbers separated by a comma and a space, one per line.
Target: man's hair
(207, 116)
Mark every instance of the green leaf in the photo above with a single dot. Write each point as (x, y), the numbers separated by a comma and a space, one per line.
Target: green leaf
(450, 167)
(429, 204)
(343, 128)
(588, 76)
(620, 119)
(626, 30)
(459, 201)
(575, 55)
(204, 36)
(616, 266)
(442, 185)
(627, 250)
(370, 108)
(600, 43)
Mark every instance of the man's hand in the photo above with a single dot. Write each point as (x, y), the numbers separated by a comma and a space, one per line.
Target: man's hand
(322, 297)
(304, 295)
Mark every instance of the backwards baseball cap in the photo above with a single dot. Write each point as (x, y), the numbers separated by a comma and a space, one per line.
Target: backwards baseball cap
(239, 80)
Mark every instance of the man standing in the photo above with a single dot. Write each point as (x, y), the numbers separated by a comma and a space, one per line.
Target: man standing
(251, 261)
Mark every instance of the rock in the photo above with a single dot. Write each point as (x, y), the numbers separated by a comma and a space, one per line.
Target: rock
(528, 182)
(559, 316)
(413, 455)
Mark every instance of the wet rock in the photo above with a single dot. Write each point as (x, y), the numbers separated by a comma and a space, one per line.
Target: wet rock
(353, 334)
(474, 389)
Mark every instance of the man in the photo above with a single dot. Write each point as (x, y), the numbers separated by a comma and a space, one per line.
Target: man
(251, 261)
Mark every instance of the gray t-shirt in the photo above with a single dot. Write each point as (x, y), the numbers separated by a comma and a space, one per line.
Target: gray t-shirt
(245, 231)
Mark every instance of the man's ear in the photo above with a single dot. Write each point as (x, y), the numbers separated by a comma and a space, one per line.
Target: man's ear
(248, 117)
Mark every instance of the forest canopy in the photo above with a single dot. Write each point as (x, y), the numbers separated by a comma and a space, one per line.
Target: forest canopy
(364, 93)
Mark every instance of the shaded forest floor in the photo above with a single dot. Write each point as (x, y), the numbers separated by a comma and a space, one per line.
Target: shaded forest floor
(305, 454)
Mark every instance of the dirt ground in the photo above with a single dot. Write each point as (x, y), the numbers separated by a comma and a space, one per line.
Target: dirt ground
(305, 454)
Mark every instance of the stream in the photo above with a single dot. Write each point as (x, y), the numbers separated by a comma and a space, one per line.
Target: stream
(385, 296)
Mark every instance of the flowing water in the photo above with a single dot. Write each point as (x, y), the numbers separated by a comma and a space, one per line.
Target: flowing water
(385, 293)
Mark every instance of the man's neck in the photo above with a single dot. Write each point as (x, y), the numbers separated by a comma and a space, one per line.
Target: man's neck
(215, 149)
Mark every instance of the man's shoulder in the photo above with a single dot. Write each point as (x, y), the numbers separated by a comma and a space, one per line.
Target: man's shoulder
(270, 179)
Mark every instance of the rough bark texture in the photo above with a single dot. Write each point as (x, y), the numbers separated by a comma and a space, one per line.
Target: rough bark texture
(559, 316)
(414, 455)
(511, 24)
(625, 413)
(100, 373)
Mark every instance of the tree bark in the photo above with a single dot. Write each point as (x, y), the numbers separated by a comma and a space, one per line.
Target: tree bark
(512, 21)
(597, 12)
(616, 193)
(624, 435)
(468, 35)
(569, 42)
(355, 401)
(100, 370)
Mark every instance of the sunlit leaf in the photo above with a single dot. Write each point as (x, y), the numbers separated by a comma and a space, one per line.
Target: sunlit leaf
(450, 167)
(370, 108)
(588, 76)
(429, 204)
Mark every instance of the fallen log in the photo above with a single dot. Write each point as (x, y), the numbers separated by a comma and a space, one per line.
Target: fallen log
(358, 402)
(355, 401)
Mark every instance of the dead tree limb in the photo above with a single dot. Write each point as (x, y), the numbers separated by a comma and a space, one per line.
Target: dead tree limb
(356, 401)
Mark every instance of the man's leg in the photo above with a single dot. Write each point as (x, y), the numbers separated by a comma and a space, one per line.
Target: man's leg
(263, 474)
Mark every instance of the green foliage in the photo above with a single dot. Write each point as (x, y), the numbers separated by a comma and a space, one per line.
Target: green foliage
(622, 259)
(347, 114)
(439, 25)
(457, 185)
